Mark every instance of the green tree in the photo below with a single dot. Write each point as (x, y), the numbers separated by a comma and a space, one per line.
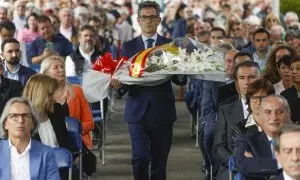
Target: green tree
(290, 5)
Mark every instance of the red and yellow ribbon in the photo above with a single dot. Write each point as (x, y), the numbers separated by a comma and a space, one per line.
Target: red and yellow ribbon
(139, 60)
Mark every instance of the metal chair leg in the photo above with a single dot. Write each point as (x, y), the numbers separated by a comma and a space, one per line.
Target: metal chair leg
(197, 129)
(103, 132)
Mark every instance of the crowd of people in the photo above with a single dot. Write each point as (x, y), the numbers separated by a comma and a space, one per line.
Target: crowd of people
(249, 124)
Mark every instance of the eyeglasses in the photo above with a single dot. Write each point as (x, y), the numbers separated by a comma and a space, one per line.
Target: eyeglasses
(150, 18)
(272, 20)
(16, 116)
(256, 98)
(295, 27)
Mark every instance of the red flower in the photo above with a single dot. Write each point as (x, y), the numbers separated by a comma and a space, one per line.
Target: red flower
(107, 64)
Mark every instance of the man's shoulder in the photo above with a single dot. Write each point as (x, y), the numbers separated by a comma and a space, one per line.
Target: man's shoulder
(132, 41)
(27, 70)
(13, 83)
(60, 38)
(38, 146)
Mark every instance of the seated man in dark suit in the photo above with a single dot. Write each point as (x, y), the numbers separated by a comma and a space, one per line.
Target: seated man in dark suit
(8, 88)
(48, 43)
(229, 114)
(13, 69)
(149, 110)
(293, 94)
(227, 92)
(255, 155)
(209, 106)
(23, 156)
(287, 152)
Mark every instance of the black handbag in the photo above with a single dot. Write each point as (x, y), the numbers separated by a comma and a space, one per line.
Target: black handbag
(89, 162)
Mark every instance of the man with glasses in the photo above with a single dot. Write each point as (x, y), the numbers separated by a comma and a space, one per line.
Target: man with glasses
(24, 157)
(149, 110)
(20, 19)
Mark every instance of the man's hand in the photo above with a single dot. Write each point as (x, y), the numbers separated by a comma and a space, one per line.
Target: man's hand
(115, 84)
(248, 154)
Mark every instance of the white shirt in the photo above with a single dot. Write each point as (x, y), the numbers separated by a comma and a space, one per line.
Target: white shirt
(286, 176)
(47, 134)
(19, 22)
(70, 65)
(19, 163)
(278, 87)
(245, 108)
(260, 61)
(251, 121)
(67, 33)
(145, 40)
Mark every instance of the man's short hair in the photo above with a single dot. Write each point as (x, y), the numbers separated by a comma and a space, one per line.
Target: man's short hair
(8, 25)
(278, 97)
(261, 30)
(295, 59)
(9, 40)
(218, 29)
(248, 64)
(149, 4)
(3, 8)
(66, 10)
(287, 128)
(86, 27)
(293, 14)
(43, 19)
(241, 53)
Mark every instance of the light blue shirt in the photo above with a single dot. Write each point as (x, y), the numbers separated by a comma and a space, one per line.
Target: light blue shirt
(145, 40)
(12, 75)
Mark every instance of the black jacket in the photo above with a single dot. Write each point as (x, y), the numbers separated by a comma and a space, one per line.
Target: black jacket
(8, 89)
(294, 101)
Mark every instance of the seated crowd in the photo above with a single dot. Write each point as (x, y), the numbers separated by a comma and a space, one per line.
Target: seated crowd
(249, 124)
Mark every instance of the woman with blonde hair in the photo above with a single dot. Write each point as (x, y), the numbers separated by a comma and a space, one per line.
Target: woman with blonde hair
(271, 19)
(40, 90)
(70, 97)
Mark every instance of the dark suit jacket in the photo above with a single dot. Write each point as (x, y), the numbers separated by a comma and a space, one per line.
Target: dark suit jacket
(160, 97)
(262, 165)
(57, 120)
(227, 91)
(209, 104)
(228, 116)
(24, 74)
(8, 89)
(294, 101)
(278, 177)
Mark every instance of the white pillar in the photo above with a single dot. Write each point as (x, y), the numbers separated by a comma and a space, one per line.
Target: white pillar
(276, 7)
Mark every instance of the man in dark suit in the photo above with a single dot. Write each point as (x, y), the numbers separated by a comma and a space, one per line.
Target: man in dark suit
(229, 114)
(228, 91)
(149, 110)
(13, 69)
(286, 149)
(209, 106)
(255, 154)
(292, 94)
(8, 88)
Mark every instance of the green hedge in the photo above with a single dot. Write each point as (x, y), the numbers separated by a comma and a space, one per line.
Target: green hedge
(290, 5)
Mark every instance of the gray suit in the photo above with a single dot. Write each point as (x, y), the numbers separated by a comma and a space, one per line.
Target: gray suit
(228, 116)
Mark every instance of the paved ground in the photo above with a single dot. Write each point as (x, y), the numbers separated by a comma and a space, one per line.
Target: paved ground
(184, 159)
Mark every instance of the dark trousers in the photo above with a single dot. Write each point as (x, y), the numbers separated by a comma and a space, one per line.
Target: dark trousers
(208, 138)
(151, 142)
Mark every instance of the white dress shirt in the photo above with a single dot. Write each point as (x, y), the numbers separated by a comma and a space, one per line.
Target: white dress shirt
(70, 65)
(19, 163)
(47, 134)
(146, 38)
(245, 108)
(67, 33)
(286, 176)
(278, 87)
(251, 121)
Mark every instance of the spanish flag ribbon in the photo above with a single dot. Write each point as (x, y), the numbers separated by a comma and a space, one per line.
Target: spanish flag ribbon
(139, 60)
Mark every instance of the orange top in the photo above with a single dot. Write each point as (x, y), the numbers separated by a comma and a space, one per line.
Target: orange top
(79, 108)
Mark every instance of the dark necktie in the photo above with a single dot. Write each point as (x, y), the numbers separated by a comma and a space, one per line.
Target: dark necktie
(150, 43)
